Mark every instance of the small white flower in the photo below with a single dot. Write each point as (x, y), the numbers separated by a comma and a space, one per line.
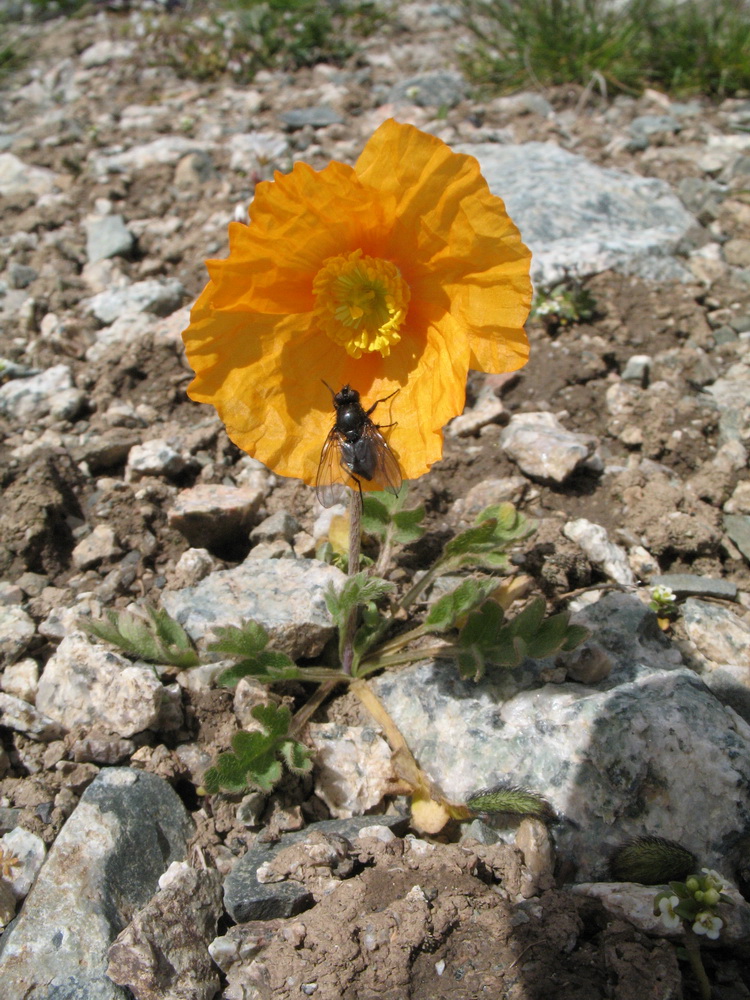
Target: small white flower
(662, 594)
(714, 879)
(709, 924)
(669, 918)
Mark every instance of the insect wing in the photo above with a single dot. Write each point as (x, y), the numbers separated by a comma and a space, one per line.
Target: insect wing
(387, 471)
(329, 487)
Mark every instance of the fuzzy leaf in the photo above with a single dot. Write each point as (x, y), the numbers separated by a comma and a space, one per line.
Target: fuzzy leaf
(408, 525)
(255, 762)
(358, 590)
(375, 516)
(509, 799)
(245, 640)
(296, 756)
(157, 638)
(469, 594)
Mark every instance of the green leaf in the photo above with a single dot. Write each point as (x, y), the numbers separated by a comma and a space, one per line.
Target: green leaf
(407, 525)
(296, 757)
(504, 798)
(483, 640)
(245, 640)
(156, 638)
(359, 590)
(469, 594)
(384, 513)
(375, 515)
(255, 761)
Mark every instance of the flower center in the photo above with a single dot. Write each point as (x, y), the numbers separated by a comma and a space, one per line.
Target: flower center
(360, 302)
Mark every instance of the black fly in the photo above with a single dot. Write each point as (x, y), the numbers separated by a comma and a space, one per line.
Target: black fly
(354, 449)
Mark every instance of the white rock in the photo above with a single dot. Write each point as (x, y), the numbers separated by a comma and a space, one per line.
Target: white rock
(353, 770)
(18, 178)
(21, 679)
(29, 399)
(153, 458)
(166, 150)
(543, 448)
(30, 851)
(486, 411)
(97, 547)
(16, 632)
(103, 52)
(593, 539)
(151, 296)
(83, 683)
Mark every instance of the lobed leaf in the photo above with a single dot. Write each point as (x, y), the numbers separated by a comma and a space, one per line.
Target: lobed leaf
(246, 639)
(446, 610)
(255, 761)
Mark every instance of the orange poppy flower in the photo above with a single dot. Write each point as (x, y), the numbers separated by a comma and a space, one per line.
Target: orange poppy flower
(400, 273)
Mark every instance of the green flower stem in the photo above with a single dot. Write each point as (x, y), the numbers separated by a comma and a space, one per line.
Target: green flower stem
(386, 549)
(411, 595)
(355, 544)
(693, 949)
(398, 642)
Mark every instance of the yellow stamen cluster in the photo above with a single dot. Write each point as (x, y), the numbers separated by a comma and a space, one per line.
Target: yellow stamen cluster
(360, 302)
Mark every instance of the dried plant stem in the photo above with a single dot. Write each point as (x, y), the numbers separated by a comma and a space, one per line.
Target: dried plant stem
(355, 544)
(693, 949)
(311, 706)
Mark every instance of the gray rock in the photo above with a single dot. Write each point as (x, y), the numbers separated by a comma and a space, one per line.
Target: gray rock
(543, 448)
(21, 717)
(286, 597)
(107, 236)
(16, 632)
(29, 399)
(21, 275)
(718, 633)
(731, 392)
(245, 898)
(646, 750)
(278, 525)
(83, 683)
(644, 127)
(318, 117)
(162, 954)
(429, 90)
(159, 298)
(689, 585)
(635, 904)
(583, 218)
(610, 558)
(209, 515)
(737, 526)
(721, 642)
(128, 827)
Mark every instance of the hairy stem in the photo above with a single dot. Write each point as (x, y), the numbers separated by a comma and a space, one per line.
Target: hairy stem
(355, 544)
(693, 949)
(412, 656)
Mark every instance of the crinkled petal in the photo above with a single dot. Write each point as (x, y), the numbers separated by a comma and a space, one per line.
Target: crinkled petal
(296, 222)
(461, 244)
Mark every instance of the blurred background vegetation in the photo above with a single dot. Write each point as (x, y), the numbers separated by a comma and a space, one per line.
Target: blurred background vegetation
(679, 46)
